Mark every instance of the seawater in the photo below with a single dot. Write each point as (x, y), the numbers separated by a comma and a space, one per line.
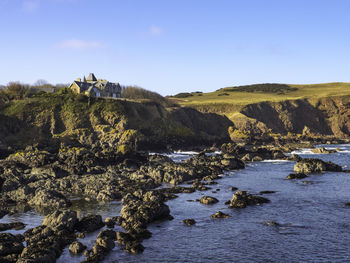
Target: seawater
(314, 222)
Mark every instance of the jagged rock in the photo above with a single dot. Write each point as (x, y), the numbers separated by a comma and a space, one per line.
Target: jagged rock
(242, 199)
(76, 247)
(89, 223)
(208, 200)
(323, 150)
(14, 225)
(49, 198)
(104, 244)
(220, 214)
(61, 220)
(109, 222)
(189, 222)
(296, 176)
(310, 165)
(10, 244)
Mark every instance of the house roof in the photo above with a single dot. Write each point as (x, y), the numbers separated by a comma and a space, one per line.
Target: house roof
(91, 77)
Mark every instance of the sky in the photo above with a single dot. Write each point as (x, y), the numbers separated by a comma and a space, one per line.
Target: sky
(172, 46)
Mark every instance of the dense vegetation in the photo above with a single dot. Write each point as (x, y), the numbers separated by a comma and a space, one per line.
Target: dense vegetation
(265, 87)
(137, 93)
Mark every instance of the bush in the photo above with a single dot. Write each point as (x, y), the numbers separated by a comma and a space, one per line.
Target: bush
(183, 95)
(17, 90)
(137, 93)
(265, 87)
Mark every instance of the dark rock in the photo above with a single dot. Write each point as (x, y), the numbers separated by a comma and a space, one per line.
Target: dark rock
(220, 214)
(271, 223)
(208, 200)
(296, 176)
(89, 223)
(76, 247)
(242, 199)
(189, 222)
(10, 244)
(267, 192)
(14, 225)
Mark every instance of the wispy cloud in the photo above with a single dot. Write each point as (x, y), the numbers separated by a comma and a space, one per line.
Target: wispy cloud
(30, 6)
(79, 45)
(155, 30)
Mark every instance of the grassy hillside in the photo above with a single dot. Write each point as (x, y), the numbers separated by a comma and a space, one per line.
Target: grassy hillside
(51, 119)
(238, 97)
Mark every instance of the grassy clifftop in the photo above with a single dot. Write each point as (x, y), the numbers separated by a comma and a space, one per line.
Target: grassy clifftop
(280, 107)
(52, 119)
(235, 98)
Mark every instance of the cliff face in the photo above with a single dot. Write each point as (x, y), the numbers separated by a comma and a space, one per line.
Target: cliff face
(51, 120)
(328, 116)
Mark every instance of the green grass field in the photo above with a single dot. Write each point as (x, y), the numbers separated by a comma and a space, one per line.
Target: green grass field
(229, 101)
(238, 99)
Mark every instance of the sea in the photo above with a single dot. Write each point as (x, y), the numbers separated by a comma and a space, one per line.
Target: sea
(306, 221)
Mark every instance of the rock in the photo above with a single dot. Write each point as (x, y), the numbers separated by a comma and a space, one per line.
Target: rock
(208, 200)
(232, 188)
(296, 176)
(189, 222)
(123, 238)
(267, 192)
(271, 223)
(294, 157)
(14, 225)
(104, 244)
(220, 214)
(310, 165)
(257, 159)
(10, 244)
(76, 247)
(61, 220)
(242, 199)
(49, 171)
(322, 150)
(109, 222)
(49, 198)
(89, 223)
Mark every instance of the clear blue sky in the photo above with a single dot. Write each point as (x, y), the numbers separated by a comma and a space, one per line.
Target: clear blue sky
(172, 46)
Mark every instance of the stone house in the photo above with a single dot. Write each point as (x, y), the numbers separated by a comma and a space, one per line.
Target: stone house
(91, 86)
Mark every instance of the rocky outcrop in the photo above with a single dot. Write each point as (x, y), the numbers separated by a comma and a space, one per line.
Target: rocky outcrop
(310, 165)
(208, 200)
(140, 209)
(10, 247)
(328, 116)
(242, 199)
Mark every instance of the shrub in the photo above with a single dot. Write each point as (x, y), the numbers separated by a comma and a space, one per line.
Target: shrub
(17, 90)
(265, 87)
(183, 95)
(137, 93)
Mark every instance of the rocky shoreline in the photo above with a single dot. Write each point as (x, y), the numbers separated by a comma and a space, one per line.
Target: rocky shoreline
(46, 181)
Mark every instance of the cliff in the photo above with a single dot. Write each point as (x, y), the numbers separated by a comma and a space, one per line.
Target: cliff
(325, 116)
(50, 120)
